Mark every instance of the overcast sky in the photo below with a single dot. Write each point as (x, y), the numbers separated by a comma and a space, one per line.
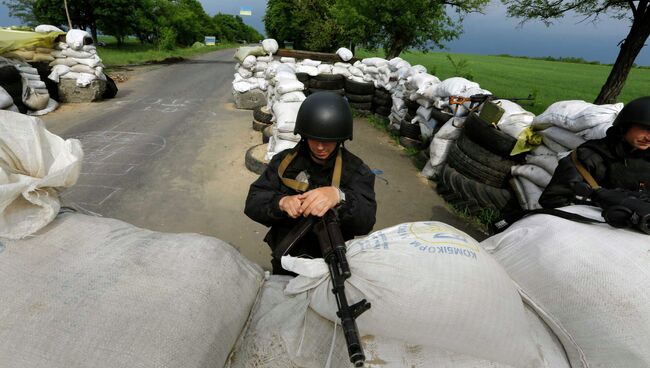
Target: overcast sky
(490, 33)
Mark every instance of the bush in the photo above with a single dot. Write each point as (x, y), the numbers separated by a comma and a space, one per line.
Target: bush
(198, 45)
(167, 40)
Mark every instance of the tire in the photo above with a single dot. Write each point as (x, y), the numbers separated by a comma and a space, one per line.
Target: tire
(259, 126)
(441, 116)
(262, 115)
(488, 137)
(254, 159)
(382, 94)
(111, 88)
(359, 88)
(409, 117)
(382, 110)
(409, 130)
(468, 189)
(366, 106)
(379, 101)
(412, 106)
(329, 77)
(473, 169)
(338, 91)
(410, 143)
(358, 98)
(266, 134)
(326, 84)
(483, 156)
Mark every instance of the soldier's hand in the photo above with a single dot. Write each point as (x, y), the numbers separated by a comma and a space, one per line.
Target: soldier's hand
(291, 205)
(318, 201)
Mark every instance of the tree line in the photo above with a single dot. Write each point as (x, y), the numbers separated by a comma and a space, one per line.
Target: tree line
(164, 22)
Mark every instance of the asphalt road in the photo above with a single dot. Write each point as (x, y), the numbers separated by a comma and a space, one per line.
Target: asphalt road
(167, 154)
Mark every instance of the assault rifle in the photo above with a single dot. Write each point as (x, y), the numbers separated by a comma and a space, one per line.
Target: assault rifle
(332, 245)
(478, 99)
(624, 208)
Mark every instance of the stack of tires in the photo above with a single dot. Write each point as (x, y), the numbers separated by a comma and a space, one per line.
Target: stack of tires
(327, 82)
(262, 122)
(360, 94)
(409, 132)
(382, 102)
(477, 172)
(305, 79)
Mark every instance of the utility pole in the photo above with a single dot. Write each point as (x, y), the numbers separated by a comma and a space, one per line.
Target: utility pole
(67, 13)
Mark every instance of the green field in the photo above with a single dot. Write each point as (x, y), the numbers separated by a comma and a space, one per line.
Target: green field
(133, 52)
(550, 81)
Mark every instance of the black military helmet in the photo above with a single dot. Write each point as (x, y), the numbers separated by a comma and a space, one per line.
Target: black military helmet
(635, 112)
(324, 116)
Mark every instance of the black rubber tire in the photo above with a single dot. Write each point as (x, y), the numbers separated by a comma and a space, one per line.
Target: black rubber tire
(339, 91)
(111, 88)
(358, 98)
(409, 130)
(441, 116)
(329, 77)
(262, 114)
(483, 156)
(366, 106)
(326, 84)
(359, 88)
(488, 137)
(412, 106)
(303, 77)
(379, 101)
(468, 189)
(410, 143)
(382, 94)
(267, 133)
(475, 170)
(254, 159)
(382, 110)
(409, 117)
(259, 126)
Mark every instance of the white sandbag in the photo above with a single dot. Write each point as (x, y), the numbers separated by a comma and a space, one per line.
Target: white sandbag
(36, 84)
(244, 51)
(5, 99)
(553, 145)
(84, 79)
(260, 66)
(310, 62)
(515, 119)
(35, 100)
(26, 69)
(589, 281)
(343, 71)
(285, 115)
(77, 54)
(597, 132)
(51, 106)
(270, 46)
(61, 46)
(289, 85)
(289, 60)
(324, 69)
(284, 332)
(309, 69)
(287, 136)
(449, 293)
(427, 127)
(67, 62)
(416, 69)
(355, 71)
(99, 292)
(244, 72)
(596, 115)
(428, 103)
(241, 86)
(535, 174)
(398, 103)
(77, 38)
(89, 48)
(456, 86)
(546, 162)
(357, 79)
(562, 136)
(562, 114)
(451, 129)
(296, 96)
(46, 28)
(542, 150)
(424, 112)
(375, 61)
(265, 59)
(373, 70)
(439, 150)
(34, 163)
(249, 62)
(344, 54)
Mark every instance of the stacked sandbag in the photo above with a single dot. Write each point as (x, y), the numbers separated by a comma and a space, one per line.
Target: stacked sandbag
(284, 332)
(33, 91)
(30, 54)
(76, 59)
(37, 164)
(563, 127)
(588, 282)
(250, 84)
(459, 301)
(6, 101)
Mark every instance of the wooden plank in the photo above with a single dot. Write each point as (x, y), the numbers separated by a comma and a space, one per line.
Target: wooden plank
(322, 56)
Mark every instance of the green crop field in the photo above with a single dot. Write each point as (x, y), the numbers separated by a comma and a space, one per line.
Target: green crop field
(549, 81)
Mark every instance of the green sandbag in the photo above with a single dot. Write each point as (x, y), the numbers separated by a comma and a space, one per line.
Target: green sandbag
(244, 51)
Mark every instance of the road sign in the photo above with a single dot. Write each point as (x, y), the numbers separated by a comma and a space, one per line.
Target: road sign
(245, 11)
(210, 40)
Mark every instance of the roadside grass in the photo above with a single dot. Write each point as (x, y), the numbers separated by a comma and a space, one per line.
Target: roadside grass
(549, 81)
(132, 52)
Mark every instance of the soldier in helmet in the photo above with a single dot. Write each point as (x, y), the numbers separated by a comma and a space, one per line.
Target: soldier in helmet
(318, 174)
(621, 160)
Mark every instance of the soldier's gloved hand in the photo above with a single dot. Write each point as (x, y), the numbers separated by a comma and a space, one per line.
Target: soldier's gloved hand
(318, 201)
(291, 205)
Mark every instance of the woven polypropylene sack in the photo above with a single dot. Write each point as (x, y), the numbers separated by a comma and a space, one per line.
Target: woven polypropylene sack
(95, 292)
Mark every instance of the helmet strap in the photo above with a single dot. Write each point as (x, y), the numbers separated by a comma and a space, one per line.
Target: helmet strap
(302, 187)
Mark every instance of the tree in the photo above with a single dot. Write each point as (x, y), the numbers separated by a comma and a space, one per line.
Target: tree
(639, 15)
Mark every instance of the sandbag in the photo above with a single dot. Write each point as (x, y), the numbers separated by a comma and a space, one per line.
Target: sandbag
(296, 96)
(77, 38)
(289, 60)
(244, 51)
(562, 136)
(45, 28)
(36, 101)
(98, 292)
(577, 115)
(546, 162)
(310, 62)
(514, 119)
(344, 54)
(249, 62)
(270, 46)
(33, 163)
(589, 282)
(456, 86)
(449, 293)
(285, 333)
(535, 174)
(285, 115)
(289, 85)
(5, 99)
